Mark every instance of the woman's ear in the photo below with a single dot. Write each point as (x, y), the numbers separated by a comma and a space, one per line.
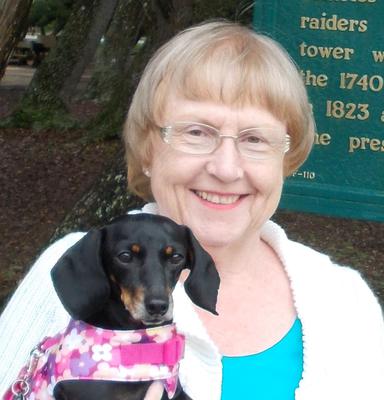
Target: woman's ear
(147, 172)
(79, 279)
(203, 282)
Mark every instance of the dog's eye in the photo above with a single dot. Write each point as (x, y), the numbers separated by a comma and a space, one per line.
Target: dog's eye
(125, 256)
(176, 258)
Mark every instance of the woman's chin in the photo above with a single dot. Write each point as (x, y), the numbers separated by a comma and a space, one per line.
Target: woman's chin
(216, 234)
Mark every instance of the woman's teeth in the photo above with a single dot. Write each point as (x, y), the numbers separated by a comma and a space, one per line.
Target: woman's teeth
(218, 199)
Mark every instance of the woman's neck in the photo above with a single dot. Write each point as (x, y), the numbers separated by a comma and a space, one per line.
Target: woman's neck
(240, 259)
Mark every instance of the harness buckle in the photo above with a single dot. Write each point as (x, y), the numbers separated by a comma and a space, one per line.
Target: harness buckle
(21, 387)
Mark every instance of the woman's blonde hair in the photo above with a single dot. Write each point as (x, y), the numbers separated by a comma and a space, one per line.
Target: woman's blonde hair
(223, 62)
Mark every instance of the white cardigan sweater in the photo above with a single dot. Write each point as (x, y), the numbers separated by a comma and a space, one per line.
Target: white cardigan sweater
(343, 328)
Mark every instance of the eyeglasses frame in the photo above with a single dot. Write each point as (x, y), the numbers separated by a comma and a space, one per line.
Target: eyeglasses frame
(165, 133)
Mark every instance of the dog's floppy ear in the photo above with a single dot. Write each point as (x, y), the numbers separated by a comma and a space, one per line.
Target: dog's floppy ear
(79, 278)
(203, 282)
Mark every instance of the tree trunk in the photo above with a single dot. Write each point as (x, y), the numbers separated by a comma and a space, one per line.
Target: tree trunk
(42, 105)
(160, 21)
(107, 199)
(174, 15)
(99, 26)
(123, 33)
(13, 17)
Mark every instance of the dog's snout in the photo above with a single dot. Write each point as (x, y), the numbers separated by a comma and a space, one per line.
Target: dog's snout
(156, 306)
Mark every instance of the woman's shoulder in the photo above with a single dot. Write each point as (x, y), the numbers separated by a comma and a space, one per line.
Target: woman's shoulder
(39, 273)
(57, 248)
(38, 277)
(290, 252)
(310, 268)
(293, 252)
(50, 255)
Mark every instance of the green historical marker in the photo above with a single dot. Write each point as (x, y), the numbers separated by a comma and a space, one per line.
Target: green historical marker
(339, 48)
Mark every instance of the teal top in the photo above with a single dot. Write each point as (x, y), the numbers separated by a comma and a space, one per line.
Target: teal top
(273, 374)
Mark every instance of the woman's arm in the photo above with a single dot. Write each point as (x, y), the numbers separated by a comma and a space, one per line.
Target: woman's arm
(33, 312)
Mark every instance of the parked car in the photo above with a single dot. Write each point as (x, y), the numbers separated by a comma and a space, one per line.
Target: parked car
(32, 49)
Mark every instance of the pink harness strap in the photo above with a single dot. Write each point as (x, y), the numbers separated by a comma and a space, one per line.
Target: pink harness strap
(84, 352)
(167, 353)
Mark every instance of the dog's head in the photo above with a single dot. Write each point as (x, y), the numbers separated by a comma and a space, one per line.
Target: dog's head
(136, 260)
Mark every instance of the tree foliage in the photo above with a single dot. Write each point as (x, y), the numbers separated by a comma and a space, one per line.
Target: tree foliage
(50, 15)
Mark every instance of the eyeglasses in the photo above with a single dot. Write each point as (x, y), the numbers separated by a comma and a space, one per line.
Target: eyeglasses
(195, 138)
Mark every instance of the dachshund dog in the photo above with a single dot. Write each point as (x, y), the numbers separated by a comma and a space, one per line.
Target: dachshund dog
(121, 277)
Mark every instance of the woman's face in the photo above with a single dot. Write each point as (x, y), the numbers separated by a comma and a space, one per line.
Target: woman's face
(223, 197)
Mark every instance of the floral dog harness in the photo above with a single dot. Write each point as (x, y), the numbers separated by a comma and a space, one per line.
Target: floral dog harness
(84, 352)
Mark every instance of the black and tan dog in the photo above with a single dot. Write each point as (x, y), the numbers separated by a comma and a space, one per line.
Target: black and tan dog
(122, 277)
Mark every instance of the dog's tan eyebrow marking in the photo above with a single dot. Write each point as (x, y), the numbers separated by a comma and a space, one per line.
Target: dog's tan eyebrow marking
(136, 248)
(168, 250)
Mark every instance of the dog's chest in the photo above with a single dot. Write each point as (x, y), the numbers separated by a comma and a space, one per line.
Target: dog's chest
(86, 353)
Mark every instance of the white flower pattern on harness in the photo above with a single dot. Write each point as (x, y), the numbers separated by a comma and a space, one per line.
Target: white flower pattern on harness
(102, 352)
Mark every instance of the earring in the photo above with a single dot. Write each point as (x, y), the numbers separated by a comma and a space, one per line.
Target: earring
(147, 172)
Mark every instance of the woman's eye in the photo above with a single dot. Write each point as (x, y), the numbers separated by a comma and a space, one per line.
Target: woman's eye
(125, 256)
(253, 139)
(195, 132)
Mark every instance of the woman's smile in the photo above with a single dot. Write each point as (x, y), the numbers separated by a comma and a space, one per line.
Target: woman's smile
(218, 200)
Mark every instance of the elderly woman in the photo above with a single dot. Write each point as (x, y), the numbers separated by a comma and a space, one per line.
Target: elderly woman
(219, 118)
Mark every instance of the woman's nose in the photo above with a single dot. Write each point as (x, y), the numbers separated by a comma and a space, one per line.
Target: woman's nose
(225, 163)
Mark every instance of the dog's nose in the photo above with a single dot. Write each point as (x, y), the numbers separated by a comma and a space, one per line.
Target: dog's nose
(156, 306)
